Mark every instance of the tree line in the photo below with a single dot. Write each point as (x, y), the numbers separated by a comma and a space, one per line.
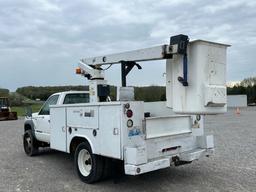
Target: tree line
(148, 93)
(245, 87)
(250, 91)
(151, 93)
(42, 93)
(4, 92)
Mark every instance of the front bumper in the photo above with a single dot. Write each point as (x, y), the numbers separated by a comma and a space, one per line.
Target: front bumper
(167, 161)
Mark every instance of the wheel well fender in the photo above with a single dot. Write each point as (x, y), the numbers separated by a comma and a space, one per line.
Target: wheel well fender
(76, 140)
(29, 125)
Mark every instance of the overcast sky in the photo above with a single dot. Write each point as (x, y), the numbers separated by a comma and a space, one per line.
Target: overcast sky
(41, 41)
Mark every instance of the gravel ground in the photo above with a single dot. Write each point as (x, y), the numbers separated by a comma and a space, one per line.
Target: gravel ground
(232, 168)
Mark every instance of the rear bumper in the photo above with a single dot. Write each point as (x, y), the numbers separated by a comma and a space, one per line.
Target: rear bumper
(167, 161)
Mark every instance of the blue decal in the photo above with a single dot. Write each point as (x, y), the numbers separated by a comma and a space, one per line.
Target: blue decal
(134, 132)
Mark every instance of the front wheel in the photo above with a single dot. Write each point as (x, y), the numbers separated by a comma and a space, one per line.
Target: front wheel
(29, 143)
(88, 165)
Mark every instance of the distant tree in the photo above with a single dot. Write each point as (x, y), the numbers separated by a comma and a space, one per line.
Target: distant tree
(246, 87)
(150, 93)
(251, 81)
(16, 99)
(4, 92)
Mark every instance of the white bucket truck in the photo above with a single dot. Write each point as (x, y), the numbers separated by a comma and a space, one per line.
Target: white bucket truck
(144, 136)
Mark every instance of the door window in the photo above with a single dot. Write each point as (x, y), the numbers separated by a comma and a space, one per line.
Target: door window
(45, 110)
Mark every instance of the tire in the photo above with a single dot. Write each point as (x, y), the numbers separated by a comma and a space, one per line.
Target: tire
(107, 165)
(117, 170)
(88, 166)
(30, 143)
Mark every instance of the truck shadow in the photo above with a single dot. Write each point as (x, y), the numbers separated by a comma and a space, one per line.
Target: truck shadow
(169, 179)
(148, 181)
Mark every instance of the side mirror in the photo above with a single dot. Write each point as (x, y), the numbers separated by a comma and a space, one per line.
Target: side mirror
(28, 111)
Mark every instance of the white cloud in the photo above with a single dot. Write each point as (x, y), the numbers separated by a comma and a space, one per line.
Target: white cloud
(37, 36)
(225, 5)
(47, 5)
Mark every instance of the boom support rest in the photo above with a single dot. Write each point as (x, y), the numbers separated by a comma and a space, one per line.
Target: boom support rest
(126, 67)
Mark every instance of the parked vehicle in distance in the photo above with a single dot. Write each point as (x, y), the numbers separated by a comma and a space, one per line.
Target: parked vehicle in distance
(5, 110)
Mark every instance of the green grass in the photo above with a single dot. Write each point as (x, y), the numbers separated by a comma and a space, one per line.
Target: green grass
(21, 109)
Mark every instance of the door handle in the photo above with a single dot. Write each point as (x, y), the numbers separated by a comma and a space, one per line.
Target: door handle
(70, 130)
(115, 131)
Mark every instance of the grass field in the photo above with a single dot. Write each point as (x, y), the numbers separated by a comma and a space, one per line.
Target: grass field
(21, 110)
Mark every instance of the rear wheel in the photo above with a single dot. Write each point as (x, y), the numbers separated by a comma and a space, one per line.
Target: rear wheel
(30, 143)
(88, 165)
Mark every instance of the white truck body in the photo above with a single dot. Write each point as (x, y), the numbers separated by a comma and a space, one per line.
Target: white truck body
(145, 136)
(150, 144)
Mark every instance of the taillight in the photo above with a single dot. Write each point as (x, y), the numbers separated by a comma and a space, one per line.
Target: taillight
(129, 113)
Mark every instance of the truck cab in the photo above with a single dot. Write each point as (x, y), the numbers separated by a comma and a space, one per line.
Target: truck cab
(40, 121)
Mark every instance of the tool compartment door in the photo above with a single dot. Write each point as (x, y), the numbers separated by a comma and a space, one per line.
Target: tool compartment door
(85, 117)
(167, 126)
(110, 132)
(58, 128)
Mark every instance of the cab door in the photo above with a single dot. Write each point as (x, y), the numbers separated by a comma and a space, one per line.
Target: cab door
(42, 120)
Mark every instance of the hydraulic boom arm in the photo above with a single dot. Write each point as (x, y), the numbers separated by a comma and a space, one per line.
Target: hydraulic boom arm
(91, 67)
(152, 53)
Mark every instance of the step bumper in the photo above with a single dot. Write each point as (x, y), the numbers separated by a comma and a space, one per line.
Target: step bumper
(167, 161)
